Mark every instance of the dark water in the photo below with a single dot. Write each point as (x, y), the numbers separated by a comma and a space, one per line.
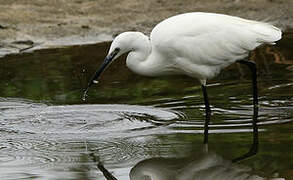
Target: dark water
(137, 125)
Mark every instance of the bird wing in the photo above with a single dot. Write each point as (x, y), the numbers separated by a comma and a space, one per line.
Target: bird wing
(210, 39)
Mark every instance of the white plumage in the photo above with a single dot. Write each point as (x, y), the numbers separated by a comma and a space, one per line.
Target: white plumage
(195, 44)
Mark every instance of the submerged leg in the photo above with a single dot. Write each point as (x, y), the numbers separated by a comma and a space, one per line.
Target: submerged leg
(206, 132)
(254, 147)
(100, 166)
(252, 67)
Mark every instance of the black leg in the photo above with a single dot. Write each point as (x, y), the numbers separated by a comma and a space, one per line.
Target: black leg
(208, 114)
(254, 148)
(252, 67)
(206, 99)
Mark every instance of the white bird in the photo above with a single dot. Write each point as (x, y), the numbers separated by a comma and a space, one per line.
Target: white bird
(196, 44)
(203, 167)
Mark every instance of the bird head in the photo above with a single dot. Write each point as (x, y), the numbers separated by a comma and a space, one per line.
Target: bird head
(122, 44)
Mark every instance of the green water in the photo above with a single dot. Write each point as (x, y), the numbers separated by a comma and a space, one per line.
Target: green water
(47, 131)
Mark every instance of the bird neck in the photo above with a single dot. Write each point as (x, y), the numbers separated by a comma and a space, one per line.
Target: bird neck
(139, 55)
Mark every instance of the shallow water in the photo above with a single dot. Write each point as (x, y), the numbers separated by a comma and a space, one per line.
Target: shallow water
(133, 123)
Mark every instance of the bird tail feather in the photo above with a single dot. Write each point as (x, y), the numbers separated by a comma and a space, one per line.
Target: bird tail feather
(268, 33)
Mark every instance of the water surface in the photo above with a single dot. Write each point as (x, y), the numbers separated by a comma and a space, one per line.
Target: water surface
(131, 122)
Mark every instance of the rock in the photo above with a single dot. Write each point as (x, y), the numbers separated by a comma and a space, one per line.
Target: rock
(3, 27)
(85, 27)
(24, 42)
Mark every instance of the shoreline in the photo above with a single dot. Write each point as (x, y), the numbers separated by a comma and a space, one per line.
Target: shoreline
(42, 24)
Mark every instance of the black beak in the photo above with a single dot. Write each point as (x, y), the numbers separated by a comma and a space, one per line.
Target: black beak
(104, 65)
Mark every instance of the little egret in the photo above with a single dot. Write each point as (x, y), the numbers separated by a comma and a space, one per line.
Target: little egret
(195, 44)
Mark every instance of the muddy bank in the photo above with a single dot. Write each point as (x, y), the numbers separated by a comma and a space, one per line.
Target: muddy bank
(43, 24)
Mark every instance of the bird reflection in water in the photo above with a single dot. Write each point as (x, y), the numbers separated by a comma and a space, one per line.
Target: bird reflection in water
(208, 166)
